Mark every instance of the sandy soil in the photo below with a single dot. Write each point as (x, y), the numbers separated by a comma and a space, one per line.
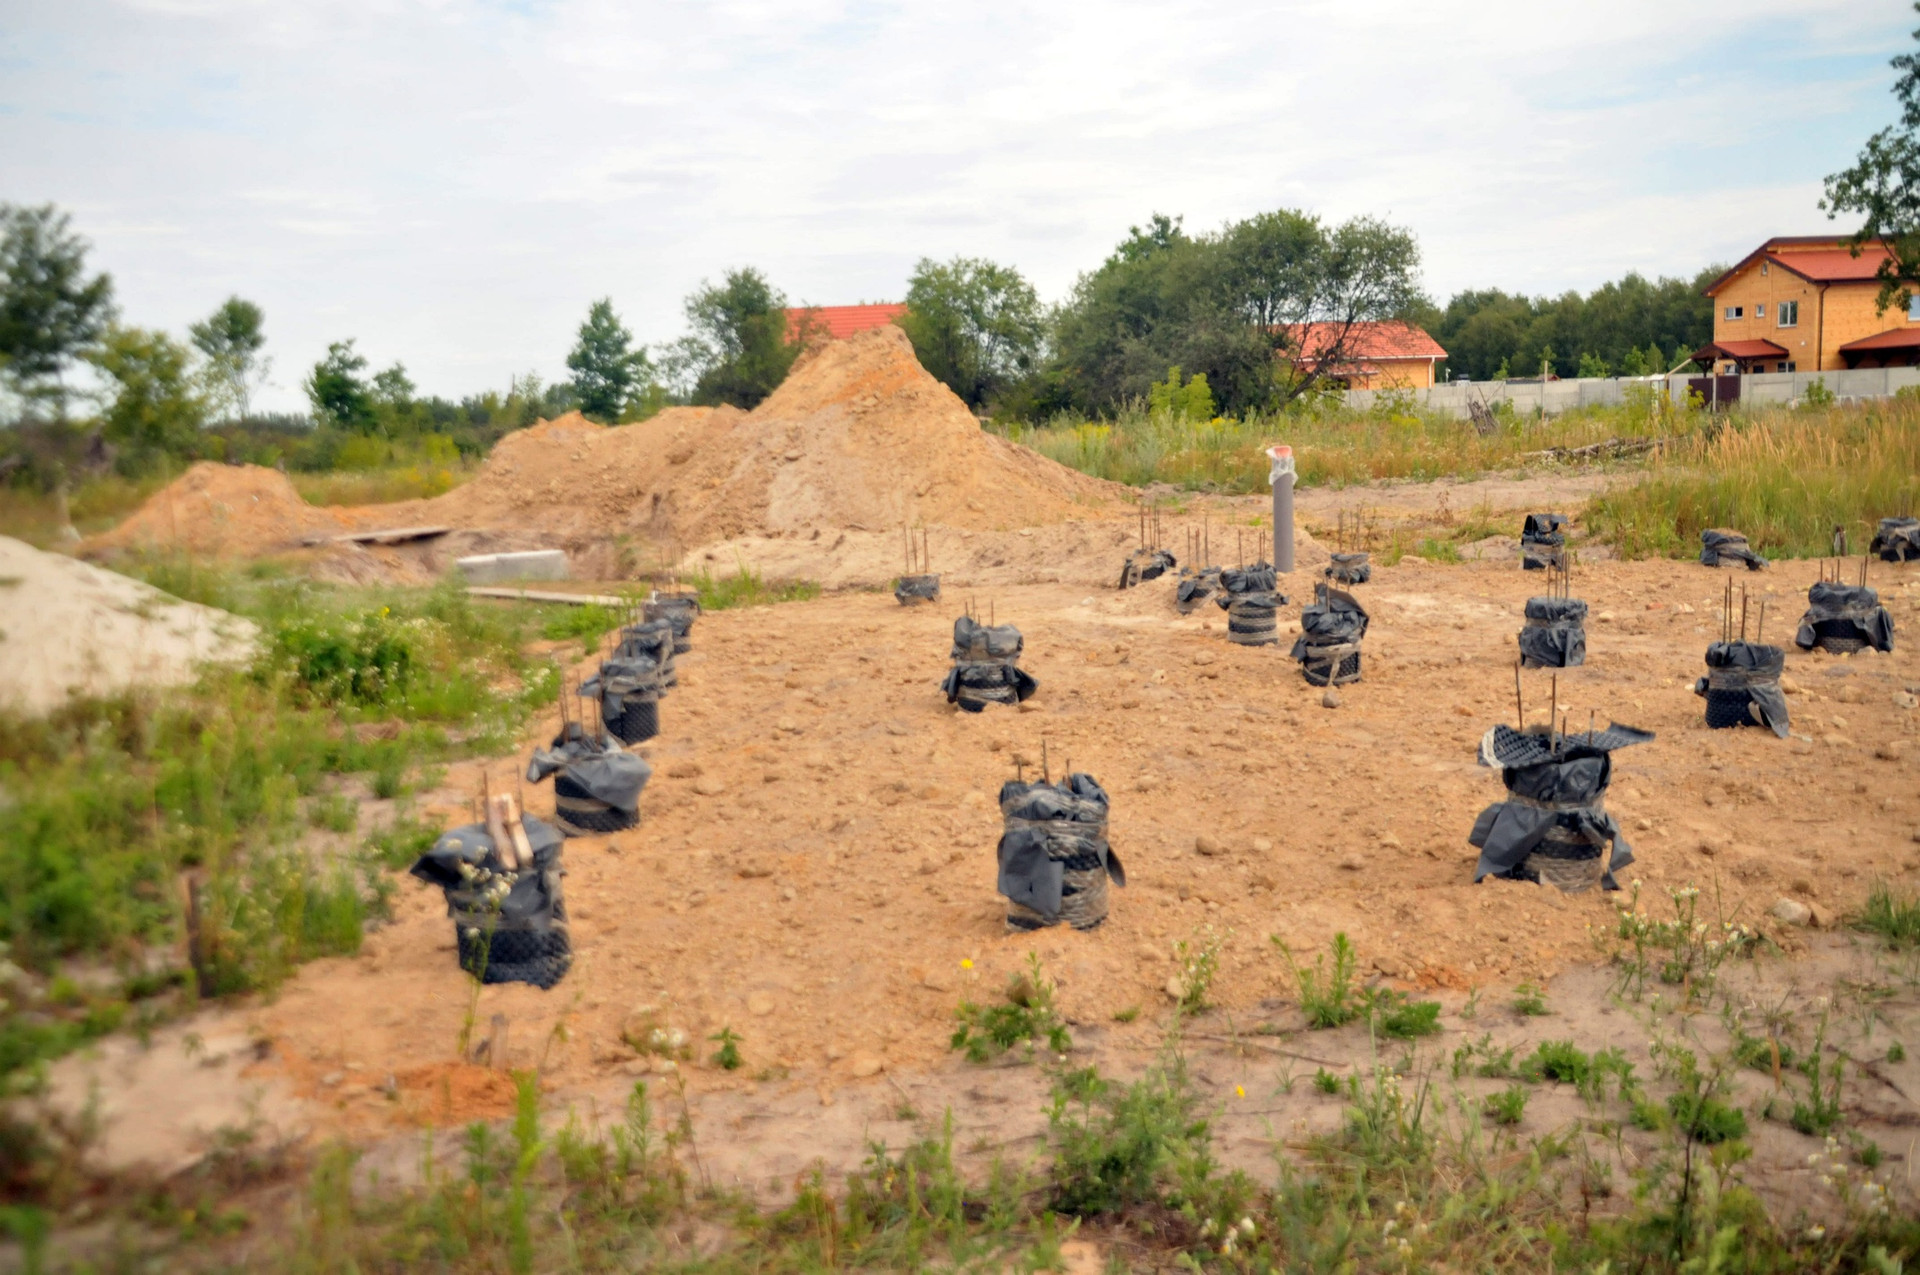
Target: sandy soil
(69, 628)
(816, 861)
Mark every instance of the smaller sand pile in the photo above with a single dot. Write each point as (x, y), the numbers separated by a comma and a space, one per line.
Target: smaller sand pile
(216, 510)
(70, 629)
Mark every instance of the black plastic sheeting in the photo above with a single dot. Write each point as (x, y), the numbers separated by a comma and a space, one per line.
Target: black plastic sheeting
(1195, 588)
(1053, 829)
(1543, 541)
(986, 666)
(1847, 612)
(1556, 633)
(1349, 568)
(915, 590)
(1258, 578)
(678, 609)
(1557, 788)
(1334, 619)
(1743, 676)
(1146, 564)
(509, 927)
(1898, 539)
(1717, 543)
(596, 764)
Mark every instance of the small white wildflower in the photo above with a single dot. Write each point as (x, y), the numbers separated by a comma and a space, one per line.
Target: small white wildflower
(1816, 1232)
(1388, 1228)
(1246, 1227)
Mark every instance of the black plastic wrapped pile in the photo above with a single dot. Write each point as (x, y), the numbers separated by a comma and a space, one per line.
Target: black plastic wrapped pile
(1054, 858)
(1331, 629)
(510, 926)
(1898, 539)
(596, 783)
(1349, 568)
(1742, 686)
(1543, 542)
(986, 666)
(1145, 564)
(1720, 546)
(1250, 597)
(1195, 587)
(1556, 633)
(631, 681)
(679, 609)
(918, 590)
(1842, 619)
(1554, 825)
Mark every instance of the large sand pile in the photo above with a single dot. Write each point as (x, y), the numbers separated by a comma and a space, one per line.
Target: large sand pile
(71, 629)
(859, 437)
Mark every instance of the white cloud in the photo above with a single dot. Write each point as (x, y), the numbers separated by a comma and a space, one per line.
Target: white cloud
(453, 182)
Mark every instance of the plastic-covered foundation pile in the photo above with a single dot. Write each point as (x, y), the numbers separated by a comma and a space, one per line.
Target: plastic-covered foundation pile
(1349, 568)
(1543, 542)
(986, 666)
(1250, 596)
(1721, 547)
(1555, 635)
(596, 783)
(1844, 618)
(1897, 540)
(1055, 861)
(501, 879)
(1554, 826)
(630, 682)
(1331, 630)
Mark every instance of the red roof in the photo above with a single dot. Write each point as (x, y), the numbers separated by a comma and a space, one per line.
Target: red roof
(1813, 258)
(842, 321)
(1897, 339)
(1739, 350)
(1366, 340)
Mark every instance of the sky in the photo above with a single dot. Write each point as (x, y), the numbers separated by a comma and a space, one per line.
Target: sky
(453, 183)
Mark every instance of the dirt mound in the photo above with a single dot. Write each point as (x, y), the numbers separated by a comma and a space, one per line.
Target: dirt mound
(859, 437)
(216, 510)
(74, 629)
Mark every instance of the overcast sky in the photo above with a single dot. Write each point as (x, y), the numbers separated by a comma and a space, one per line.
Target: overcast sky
(452, 183)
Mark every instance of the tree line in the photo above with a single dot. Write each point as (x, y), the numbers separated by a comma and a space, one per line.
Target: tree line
(1210, 321)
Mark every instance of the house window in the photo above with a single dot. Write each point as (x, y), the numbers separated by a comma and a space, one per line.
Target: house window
(1763, 267)
(1734, 312)
(1789, 367)
(1789, 313)
(1760, 311)
(1913, 308)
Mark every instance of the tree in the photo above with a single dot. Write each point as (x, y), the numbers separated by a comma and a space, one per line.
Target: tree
(976, 326)
(338, 394)
(1884, 187)
(608, 370)
(231, 338)
(740, 348)
(157, 405)
(49, 310)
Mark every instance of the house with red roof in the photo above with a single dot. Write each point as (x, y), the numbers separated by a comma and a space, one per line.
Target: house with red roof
(1384, 355)
(841, 321)
(1807, 303)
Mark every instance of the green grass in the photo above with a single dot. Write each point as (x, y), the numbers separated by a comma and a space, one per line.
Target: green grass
(1784, 478)
(1329, 996)
(119, 809)
(1332, 446)
(1893, 915)
(745, 588)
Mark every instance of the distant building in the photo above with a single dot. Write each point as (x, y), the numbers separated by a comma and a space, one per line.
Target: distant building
(842, 321)
(1806, 303)
(1385, 355)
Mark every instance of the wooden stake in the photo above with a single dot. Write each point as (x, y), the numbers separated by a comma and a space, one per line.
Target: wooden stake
(1519, 705)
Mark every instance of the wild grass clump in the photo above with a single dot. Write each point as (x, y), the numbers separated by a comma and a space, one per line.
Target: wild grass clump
(1784, 478)
(745, 588)
(1328, 994)
(1028, 1015)
(1893, 915)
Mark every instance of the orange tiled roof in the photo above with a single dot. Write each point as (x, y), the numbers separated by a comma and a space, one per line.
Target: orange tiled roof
(1369, 340)
(1814, 258)
(841, 321)
(1739, 350)
(1894, 339)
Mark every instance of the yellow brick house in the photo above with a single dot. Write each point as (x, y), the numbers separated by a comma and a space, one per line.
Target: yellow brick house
(1806, 303)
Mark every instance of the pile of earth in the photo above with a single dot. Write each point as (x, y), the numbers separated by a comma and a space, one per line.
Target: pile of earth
(71, 629)
(858, 438)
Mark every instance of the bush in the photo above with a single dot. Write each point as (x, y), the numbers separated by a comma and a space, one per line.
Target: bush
(1327, 996)
(365, 659)
(1706, 1119)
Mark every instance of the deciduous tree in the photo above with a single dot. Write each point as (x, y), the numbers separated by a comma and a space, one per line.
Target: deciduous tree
(231, 338)
(338, 391)
(50, 311)
(157, 404)
(609, 371)
(1883, 186)
(976, 326)
(740, 348)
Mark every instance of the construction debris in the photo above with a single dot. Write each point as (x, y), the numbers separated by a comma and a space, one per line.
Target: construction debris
(1555, 823)
(501, 878)
(1054, 857)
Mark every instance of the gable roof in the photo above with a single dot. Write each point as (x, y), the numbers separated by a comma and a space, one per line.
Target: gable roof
(842, 321)
(1387, 339)
(1815, 258)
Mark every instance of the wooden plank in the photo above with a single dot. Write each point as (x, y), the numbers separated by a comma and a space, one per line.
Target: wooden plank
(547, 595)
(392, 536)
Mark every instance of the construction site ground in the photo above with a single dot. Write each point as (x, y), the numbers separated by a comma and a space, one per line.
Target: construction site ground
(815, 871)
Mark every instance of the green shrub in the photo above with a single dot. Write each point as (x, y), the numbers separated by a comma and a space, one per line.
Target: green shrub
(1705, 1118)
(1508, 1107)
(366, 659)
(1895, 917)
(985, 1032)
(1395, 1014)
(1558, 1060)
(1115, 1145)
(1328, 997)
